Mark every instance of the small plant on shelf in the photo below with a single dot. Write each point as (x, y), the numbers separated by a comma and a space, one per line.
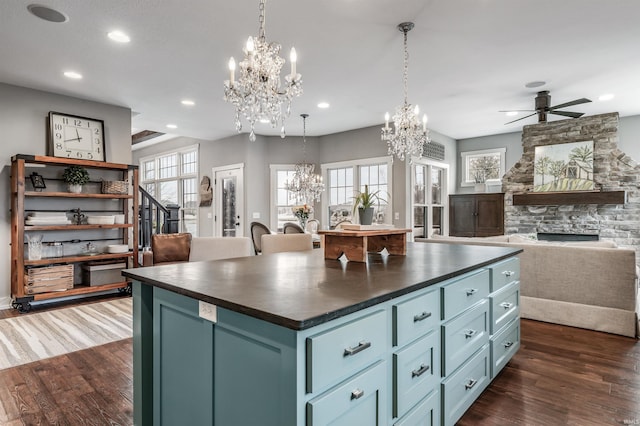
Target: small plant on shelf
(75, 177)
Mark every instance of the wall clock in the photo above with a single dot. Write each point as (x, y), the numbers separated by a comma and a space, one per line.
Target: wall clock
(76, 137)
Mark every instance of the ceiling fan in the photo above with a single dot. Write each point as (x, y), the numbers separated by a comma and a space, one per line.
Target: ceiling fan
(543, 100)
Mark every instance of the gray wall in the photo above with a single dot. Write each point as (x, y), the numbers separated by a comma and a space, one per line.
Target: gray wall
(23, 120)
(259, 155)
(628, 137)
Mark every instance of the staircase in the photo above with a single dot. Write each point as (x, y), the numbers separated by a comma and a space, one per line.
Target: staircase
(155, 218)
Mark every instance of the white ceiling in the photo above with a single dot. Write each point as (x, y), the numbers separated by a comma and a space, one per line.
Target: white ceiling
(468, 58)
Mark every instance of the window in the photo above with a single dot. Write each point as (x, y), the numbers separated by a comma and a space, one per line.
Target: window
(429, 197)
(344, 178)
(281, 200)
(478, 166)
(172, 178)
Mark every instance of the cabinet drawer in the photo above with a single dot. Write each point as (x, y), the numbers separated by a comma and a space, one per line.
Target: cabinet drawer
(464, 335)
(416, 372)
(427, 413)
(505, 306)
(415, 317)
(342, 351)
(504, 345)
(459, 295)
(505, 272)
(358, 401)
(461, 389)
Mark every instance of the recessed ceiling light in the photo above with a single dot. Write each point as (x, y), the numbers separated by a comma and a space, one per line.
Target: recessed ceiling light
(265, 121)
(172, 126)
(323, 105)
(119, 36)
(511, 113)
(47, 13)
(187, 102)
(533, 84)
(606, 97)
(72, 74)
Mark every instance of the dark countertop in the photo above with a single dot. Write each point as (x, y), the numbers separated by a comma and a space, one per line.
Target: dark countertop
(299, 290)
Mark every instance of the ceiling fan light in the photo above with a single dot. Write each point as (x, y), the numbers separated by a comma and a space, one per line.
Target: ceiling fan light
(606, 97)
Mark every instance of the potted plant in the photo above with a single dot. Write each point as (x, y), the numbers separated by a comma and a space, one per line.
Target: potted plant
(364, 202)
(75, 177)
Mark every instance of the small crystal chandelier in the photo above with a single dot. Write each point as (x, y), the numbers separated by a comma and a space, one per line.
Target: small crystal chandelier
(305, 186)
(257, 94)
(410, 134)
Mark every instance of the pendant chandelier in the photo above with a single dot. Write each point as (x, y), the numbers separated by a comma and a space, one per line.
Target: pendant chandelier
(257, 94)
(410, 134)
(305, 186)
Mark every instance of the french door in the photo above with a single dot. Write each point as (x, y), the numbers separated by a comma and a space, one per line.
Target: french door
(229, 201)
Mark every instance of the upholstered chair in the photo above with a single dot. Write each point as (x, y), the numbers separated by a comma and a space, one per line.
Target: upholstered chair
(257, 231)
(276, 243)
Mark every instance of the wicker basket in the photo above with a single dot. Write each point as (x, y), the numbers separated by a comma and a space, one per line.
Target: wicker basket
(115, 186)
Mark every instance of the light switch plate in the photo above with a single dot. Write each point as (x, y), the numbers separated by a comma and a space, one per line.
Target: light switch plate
(207, 311)
(256, 215)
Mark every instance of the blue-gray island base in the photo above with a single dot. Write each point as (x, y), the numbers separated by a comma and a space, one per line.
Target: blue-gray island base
(294, 339)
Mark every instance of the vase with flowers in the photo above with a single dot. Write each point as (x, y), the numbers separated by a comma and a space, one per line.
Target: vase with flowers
(302, 213)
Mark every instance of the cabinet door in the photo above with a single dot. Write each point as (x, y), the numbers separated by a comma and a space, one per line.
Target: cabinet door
(489, 215)
(358, 401)
(462, 215)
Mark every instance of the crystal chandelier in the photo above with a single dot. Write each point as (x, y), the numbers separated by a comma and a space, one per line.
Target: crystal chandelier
(305, 186)
(410, 134)
(257, 93)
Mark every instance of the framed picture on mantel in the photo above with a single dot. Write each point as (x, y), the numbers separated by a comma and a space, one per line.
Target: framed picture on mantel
(564, 167)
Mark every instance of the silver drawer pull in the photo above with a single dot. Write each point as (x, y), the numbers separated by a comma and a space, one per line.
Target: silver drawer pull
(422, 316)
(506, 305)
(356, 394)
(470, 384)
(420, 371)
(471, 291)
(361, 347)
(469, 334)
(508, 345)
(508, 273)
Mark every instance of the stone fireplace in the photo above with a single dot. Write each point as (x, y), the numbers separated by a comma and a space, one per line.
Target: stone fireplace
(613, 171)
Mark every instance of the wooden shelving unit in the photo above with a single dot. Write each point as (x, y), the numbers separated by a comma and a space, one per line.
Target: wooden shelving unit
(24, 200)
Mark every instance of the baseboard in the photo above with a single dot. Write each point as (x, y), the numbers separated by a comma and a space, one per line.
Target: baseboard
(5, 302)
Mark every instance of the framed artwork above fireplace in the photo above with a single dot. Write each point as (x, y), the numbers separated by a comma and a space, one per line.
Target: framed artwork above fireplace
(564, 167)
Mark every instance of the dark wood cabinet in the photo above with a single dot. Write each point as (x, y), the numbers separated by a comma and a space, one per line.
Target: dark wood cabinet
(476, 215)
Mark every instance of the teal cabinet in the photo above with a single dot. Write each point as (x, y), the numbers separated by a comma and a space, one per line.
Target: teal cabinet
(418, 359)
(360, 400)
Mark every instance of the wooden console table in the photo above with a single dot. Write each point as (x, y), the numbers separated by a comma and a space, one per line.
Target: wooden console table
(356, 244)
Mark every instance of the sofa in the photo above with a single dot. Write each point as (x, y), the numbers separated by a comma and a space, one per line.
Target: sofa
(586, 284)
(183, 247)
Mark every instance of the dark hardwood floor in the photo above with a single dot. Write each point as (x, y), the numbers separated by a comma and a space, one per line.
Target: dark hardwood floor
(560, 376)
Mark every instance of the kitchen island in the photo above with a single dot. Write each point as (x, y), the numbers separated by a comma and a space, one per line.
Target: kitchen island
(296, 339)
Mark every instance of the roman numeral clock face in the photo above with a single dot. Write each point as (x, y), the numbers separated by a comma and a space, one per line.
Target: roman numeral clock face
(76, 137)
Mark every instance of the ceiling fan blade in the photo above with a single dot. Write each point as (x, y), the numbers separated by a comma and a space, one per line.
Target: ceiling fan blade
(568, 113)
(521, 118)
(576, 102)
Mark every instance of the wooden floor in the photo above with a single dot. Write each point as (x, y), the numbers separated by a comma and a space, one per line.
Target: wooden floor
(560, 376)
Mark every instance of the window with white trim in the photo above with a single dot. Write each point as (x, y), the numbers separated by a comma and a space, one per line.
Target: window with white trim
(281, 199)
(344, 178)
(478, 166)
(172, 178)
(429, 197)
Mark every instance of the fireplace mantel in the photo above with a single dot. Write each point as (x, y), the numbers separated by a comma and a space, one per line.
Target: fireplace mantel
(564, 198)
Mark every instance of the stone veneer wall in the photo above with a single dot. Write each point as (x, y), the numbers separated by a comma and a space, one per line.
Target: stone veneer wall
(613, 171)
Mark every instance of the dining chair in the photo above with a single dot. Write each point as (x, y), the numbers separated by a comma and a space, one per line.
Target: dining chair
(344, 222)
(257, 231)
(276, 243)
(312, 226)
(292, 228)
